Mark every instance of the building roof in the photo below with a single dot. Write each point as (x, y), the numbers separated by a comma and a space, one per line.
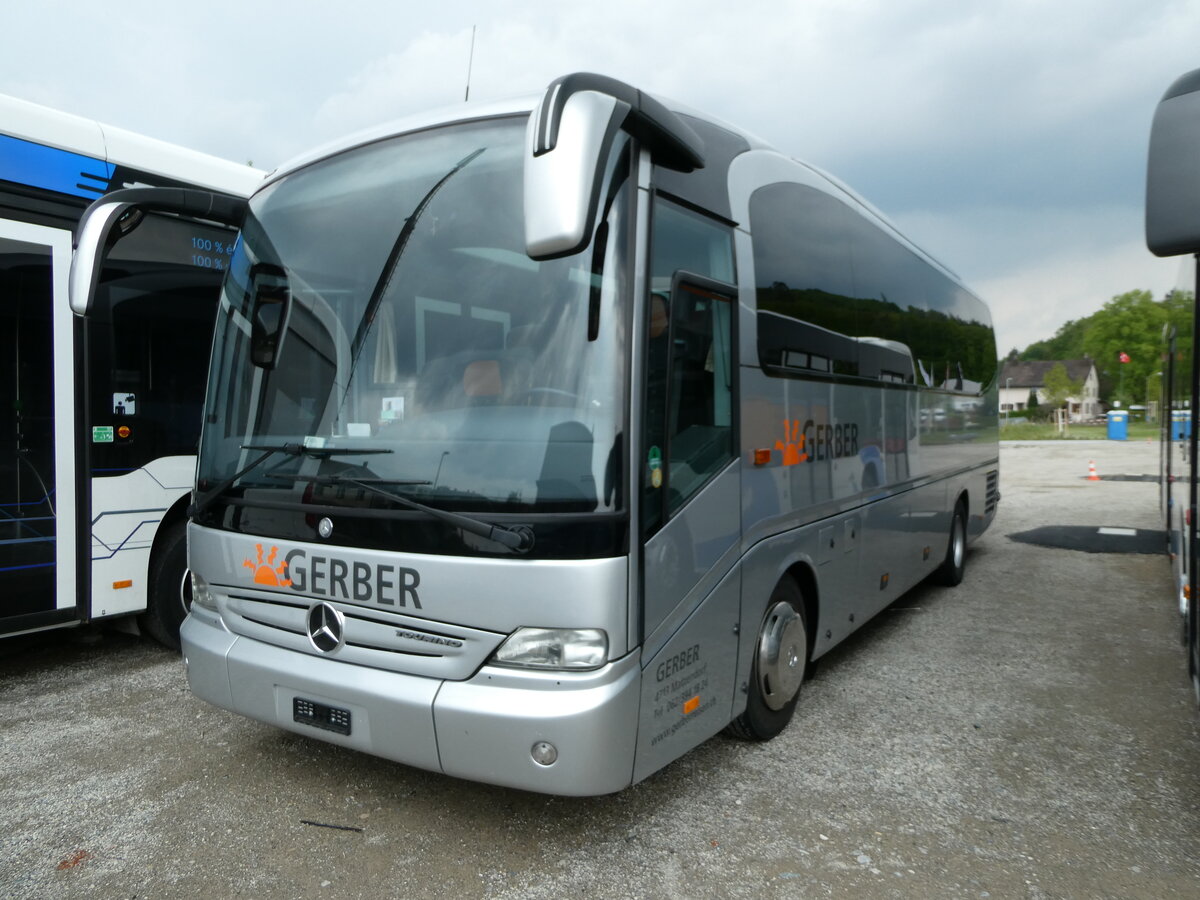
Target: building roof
(1033, 374)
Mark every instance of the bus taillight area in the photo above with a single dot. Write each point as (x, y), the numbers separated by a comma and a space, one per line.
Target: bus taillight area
(549, 732)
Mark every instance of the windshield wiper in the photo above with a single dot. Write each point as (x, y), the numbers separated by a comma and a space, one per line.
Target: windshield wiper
(516, 537)
(290, 449)
(393, 260)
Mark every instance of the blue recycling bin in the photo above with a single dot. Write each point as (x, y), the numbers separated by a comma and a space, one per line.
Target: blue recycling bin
(1118, 424)
(1181, 424)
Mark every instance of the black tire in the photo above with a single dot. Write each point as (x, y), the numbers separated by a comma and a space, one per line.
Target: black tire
(950, 572)
(779, 666)
(169, 594)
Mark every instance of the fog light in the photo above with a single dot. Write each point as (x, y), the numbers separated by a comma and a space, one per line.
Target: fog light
(201, 596)
(544, 753)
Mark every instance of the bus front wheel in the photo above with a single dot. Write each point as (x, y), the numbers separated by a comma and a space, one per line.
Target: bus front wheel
(778, 668)
(169, 596)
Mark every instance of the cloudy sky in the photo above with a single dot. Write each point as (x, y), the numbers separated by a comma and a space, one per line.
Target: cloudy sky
(1006, 137)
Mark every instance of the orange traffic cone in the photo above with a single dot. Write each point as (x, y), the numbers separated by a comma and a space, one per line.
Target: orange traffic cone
(1092, 476)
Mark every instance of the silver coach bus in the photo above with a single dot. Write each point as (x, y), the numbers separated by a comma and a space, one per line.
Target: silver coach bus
(542, 446)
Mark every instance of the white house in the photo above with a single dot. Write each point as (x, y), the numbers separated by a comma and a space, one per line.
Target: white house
(1017, 379)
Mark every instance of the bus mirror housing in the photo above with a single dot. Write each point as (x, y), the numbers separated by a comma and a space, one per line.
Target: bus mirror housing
(268, 313)
(568, 140)
(1173, 171)
(116, 214)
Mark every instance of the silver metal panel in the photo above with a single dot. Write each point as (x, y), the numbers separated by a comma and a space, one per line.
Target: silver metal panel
(637, 375)
(488, 595)
(750, 171)
(688, 686)
(448, 115)
(206, 642)
(377, 639)
(826, 545)
(560, 184)
(891, 561)
(487, 728)
(684, 555)
(391, 714)
(929, 515)
(851, 530)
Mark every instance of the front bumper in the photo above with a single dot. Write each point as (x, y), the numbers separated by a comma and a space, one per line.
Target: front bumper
(482, 729)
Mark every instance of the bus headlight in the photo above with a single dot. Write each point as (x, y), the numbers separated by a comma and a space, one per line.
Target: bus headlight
(201, 595)
(554, 648)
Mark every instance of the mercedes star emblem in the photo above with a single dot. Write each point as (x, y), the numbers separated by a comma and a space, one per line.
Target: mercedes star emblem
(326, 627)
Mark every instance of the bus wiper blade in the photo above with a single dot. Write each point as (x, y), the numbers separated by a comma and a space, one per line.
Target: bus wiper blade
(393, 261)
(518, 537)
(204, 502)
(293, 449)
(342, 479)
(290, 449)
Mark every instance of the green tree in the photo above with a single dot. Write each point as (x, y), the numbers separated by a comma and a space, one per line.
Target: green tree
(1067, 343)
(1059, 386)
(1031, 405)
(1131, 324)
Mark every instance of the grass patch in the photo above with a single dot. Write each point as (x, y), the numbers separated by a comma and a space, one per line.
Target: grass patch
(1037, 431)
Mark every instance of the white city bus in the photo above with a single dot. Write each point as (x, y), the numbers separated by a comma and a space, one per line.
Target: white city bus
(539, 447)
(102, 417)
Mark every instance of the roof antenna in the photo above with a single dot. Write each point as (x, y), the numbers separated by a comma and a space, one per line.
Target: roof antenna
(470, 59)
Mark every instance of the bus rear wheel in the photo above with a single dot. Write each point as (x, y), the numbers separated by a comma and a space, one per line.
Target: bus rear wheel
(170, 590)
(950, 572)
(778, 668)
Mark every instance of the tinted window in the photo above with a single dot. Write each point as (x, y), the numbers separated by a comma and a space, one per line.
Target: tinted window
(149, 340)
(838, 295)
(689, 363)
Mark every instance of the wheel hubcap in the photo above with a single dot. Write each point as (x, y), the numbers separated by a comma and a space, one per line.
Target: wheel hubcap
(782, 648)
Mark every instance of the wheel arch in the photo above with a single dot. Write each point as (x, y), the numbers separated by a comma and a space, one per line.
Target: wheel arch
(806, 579)
(174, 515)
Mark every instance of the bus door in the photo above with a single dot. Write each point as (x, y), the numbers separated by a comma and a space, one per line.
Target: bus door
(37, 441)
(690, 488)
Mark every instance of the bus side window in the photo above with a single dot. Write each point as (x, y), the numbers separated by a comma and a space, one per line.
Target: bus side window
(689, 368)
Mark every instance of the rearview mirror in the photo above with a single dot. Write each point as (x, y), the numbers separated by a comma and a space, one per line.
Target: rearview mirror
(116, 214)
(568, 140)
(1173, 171)
(268, 313)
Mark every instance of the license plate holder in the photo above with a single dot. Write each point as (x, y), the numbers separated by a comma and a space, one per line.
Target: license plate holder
(318, 715)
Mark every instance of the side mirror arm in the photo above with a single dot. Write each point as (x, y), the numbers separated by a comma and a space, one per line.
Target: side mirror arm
(119, 212)
(568, 140)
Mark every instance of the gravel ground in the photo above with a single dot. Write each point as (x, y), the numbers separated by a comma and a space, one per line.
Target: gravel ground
(1030, 734)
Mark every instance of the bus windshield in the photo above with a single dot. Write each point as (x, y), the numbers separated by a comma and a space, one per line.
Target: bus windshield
(380, 315)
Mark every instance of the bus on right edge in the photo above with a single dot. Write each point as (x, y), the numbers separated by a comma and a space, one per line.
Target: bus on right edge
(1173, 229)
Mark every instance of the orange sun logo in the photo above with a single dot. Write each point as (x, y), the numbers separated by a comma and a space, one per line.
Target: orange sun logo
(266, 572)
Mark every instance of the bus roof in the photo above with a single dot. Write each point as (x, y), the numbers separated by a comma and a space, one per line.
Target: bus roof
(464, 112)
(53, 150)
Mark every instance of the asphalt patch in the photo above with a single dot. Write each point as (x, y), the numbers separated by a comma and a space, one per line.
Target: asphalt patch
(1089, 539)
(1150, 478)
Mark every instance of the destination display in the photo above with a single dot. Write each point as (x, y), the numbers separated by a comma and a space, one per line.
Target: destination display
(164, 239)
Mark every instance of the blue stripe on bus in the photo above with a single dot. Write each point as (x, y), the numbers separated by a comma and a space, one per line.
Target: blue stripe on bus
(48, 565)
(49, 168)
